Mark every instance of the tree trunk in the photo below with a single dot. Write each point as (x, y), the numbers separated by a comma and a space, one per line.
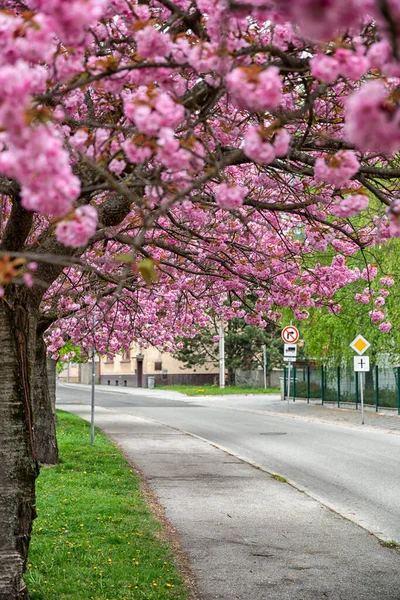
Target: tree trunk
(18, 466)
(52, 379)
(44, 408)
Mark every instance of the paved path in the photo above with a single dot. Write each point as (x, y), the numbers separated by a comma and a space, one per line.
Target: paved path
(249, 536)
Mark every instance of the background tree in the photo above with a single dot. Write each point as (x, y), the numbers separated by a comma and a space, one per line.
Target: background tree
(243, 347)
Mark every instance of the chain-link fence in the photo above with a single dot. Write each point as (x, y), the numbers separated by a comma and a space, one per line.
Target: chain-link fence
(342, 385)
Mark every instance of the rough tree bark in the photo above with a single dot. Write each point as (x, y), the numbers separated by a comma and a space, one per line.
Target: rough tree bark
(18, 465)
(52, 378)
(43, 408)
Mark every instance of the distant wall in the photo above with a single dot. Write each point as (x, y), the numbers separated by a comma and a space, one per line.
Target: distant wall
(256, 378)
(167, 379)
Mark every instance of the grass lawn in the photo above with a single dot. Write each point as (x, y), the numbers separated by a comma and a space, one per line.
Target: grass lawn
(95, 538)
(212, 390)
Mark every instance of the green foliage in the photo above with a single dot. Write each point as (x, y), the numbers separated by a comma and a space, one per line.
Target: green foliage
(243, 347)
(327, 336)
(95, 537)
(78, 355)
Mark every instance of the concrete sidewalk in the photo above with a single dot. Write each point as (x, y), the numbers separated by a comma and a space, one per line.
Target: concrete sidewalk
(247, 535)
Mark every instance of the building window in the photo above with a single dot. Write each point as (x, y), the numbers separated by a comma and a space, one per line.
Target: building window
(158, 365)
(109, 358)
(126, 356)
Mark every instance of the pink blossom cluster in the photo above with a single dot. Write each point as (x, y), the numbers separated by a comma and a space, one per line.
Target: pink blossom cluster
(152, 111)
(362, 298)
(261, 149)
(350, 206)
(380, 301)
(321, 19)
(43, 169)
(376, 316)
(389, 281)
(372, 120)
(151, 43)
(369, 273)
(385, 327)
(76, 231)
(71, 19)
(28, 38)
(254, 89)
(174, 156)
(230, 196)
(337, 169)
(393, 212)
(344, 62)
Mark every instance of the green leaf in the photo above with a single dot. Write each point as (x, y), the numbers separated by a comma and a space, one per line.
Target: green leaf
(147, 270)
(125, 258)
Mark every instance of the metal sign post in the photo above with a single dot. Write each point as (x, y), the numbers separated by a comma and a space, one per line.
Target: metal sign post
(265, 365)
(221, 355)
(290, 335)
(362, 397)
(361, 365)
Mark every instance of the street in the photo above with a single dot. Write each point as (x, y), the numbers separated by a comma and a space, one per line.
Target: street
(353, 470)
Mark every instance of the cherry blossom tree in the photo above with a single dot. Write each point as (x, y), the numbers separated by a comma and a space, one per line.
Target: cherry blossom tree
(201, 147)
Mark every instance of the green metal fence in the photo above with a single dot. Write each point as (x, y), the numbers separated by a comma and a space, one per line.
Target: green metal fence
(341, 385)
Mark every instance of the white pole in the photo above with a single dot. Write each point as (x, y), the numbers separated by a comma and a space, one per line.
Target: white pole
(221, 355)
(362, 397)
(265, 365)
(288, 385)
(68, 367)
(93, 386)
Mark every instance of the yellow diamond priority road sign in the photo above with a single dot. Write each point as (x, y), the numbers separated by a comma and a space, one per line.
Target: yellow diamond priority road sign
(360, 345)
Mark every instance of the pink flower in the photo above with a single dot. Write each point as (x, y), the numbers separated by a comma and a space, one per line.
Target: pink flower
(28, 280)
(281, 142)
(376, 316)
(372, 122)
(362, 298)
(77, 231)
(380, 301)
(151, 113)
(385, 327)
(151, 43)
(350, 206)
(117, 166)
(351, 65)
(139, 153)
(255, 90)
(386, 281)
(369, 273)
(230, 197)
(325, 68)
(258, 149)
(338, 169)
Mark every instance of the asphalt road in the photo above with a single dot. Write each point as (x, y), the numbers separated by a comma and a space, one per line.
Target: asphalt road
(353, 470)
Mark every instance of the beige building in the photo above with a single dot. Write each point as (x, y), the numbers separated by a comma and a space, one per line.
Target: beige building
(133, 369)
